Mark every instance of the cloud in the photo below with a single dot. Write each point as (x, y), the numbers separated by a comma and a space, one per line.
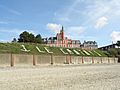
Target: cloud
(99, 8)
(65, 14)
(74, 32)
(10, 10)
(115, 35)
(76, 29)
(4, 41)
(15, 31)
(54, 27)
(3, 22)
(9, 34)
(64, 19)
(87, 11)
(14, 12)
(101, 22)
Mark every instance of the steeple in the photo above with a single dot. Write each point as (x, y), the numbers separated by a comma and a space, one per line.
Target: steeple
(62, 33)
(62, 30)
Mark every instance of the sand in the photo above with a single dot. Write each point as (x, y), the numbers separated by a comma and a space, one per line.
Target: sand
(63, 77)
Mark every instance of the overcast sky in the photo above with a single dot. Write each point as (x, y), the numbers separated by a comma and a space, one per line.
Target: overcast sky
(97, 20)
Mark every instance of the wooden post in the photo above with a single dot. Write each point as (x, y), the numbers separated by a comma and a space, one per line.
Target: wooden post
(101, 60)
(51, 59)
(82, 59)
(67, 61)
(12, 60)
(92, 59)
(70, 59)
(34, 61)
(108, 60)
(114, 59)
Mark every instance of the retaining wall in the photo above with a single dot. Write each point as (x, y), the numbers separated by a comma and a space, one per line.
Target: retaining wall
(43, 59)
(5, 59)
(87, 60)
(98, 59)
(76, 60)
(23, 59)
(59, 59)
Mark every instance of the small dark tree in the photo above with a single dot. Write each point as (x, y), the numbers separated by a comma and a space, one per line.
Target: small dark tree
(14, 40)
(118, 43)
(38, 39)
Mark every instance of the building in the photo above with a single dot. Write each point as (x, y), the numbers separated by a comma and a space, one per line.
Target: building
(105, 48)
(89, 45)
(61, 41)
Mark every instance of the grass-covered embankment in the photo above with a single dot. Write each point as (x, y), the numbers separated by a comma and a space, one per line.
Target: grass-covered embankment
(15, 48)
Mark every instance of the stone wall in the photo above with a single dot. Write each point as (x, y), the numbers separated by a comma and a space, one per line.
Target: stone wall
(76, 59)
(59, 59)
(43, 59)
(23, 59)
(5, 59)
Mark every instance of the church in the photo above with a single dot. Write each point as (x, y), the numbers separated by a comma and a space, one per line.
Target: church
(61, 41)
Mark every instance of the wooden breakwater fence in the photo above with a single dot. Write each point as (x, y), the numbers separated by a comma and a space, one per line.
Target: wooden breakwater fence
(26, 59)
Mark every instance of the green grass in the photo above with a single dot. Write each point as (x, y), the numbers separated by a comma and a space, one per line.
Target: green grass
(15, 48)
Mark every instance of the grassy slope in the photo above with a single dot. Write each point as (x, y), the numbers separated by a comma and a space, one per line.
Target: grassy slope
(16, 49)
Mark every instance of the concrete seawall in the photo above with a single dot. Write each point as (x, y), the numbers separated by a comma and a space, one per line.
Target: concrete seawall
(24, 59)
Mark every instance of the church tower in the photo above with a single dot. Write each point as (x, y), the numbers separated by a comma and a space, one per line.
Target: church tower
(62, 33)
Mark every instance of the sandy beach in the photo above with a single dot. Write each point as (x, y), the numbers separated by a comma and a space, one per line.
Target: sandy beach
(63, 77)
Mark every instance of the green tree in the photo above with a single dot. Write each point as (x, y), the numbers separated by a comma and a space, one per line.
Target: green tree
(31, 38)
(24, 37)
(113, 52)
(118, 43)
(14, 40)
(38, 39)
(118, 51)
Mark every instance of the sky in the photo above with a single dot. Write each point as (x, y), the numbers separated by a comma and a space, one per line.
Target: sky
(94, 20)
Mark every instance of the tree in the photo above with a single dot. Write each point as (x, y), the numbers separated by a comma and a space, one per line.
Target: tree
(24, 37)
(38, 38)
(14, 40)
(118, 43)
(113, 52)
(31, 38)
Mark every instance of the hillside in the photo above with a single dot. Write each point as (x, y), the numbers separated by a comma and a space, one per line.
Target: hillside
(25, 48)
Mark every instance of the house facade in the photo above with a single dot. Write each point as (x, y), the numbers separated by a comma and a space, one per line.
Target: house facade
(61, 41)
(89, 45)
(105, 48)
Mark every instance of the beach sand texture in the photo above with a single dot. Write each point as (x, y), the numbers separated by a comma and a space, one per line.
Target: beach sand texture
(63, 77)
